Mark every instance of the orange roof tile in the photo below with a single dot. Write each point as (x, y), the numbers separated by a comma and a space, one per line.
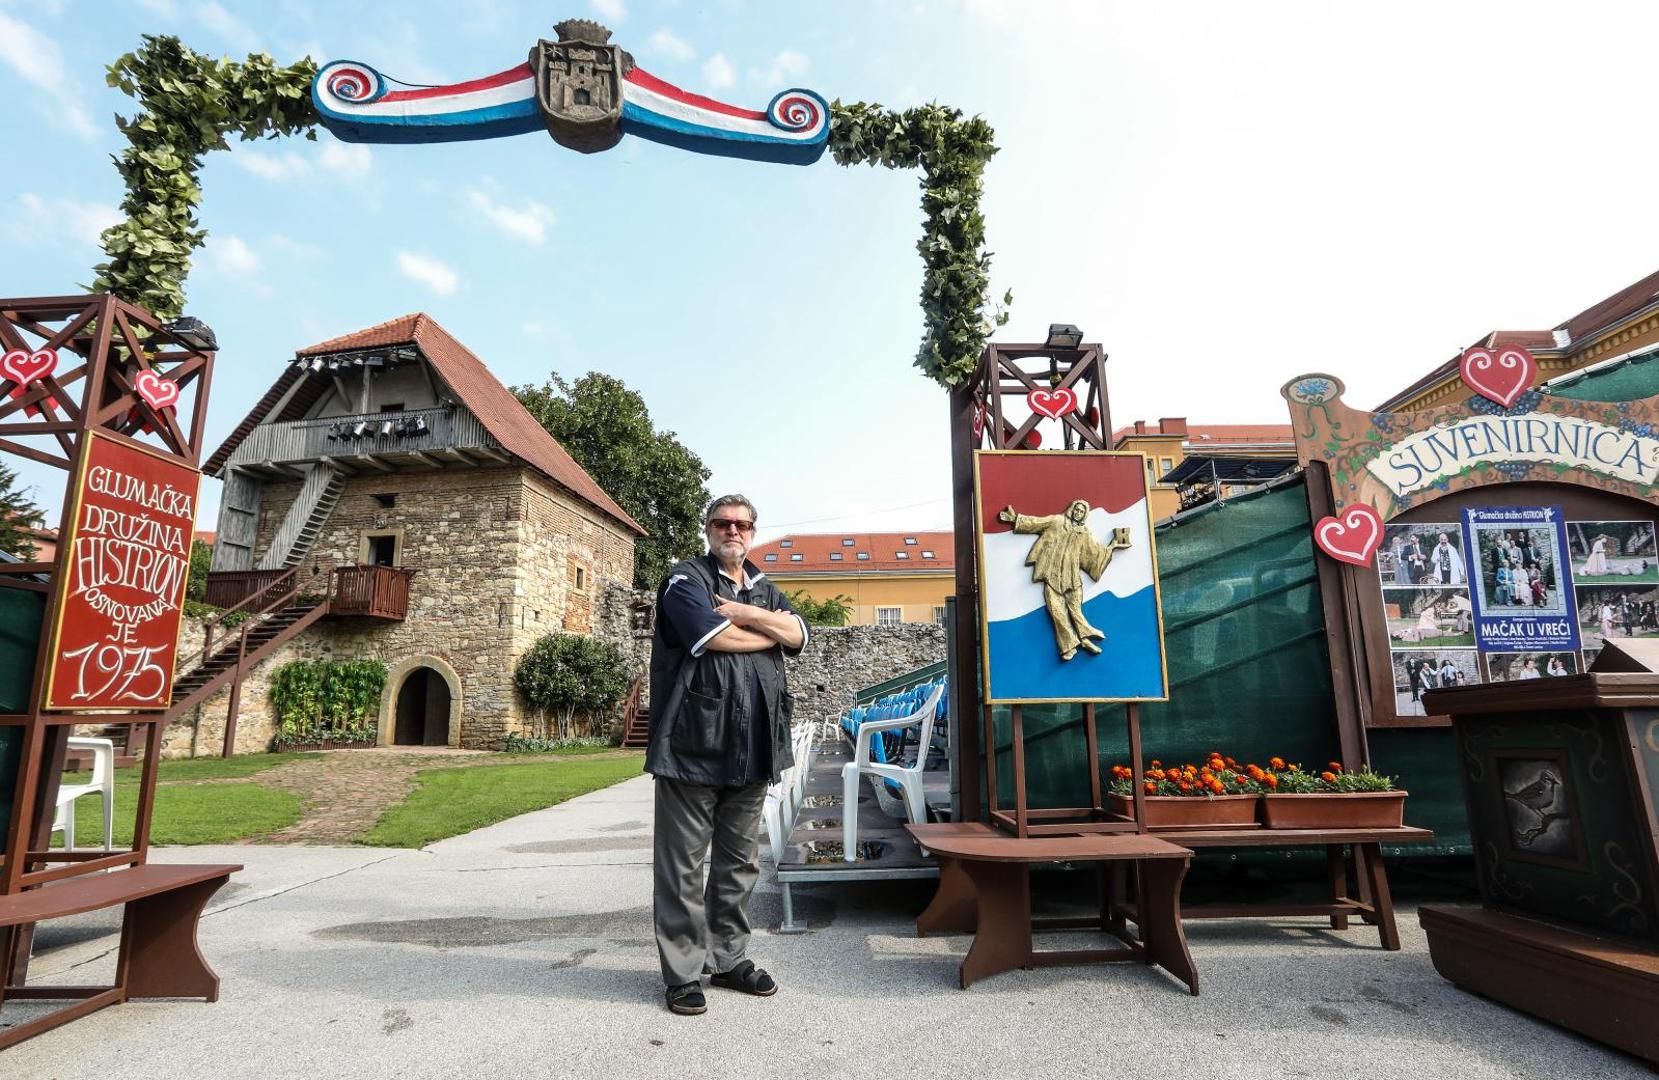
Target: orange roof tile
(481, 392)
(883, 550)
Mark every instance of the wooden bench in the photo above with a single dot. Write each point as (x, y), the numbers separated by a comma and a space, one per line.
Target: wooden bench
(985, 890)
(158, 956)
(1373, 905)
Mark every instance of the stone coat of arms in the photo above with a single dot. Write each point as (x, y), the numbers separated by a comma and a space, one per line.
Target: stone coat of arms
(579, 85)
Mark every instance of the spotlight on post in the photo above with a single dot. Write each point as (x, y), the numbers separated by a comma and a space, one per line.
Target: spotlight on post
(194, 333)
(1063, 336)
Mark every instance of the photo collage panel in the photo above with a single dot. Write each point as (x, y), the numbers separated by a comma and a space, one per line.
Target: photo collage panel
(1611, 568)
(1425, 591)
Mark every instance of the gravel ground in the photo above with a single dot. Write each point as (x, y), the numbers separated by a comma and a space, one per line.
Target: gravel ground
(524, 949)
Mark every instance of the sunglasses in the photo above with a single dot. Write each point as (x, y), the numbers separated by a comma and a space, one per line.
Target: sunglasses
(732, 523)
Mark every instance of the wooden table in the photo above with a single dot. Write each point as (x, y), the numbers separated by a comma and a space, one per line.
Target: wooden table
(985, 890)
(1373, 905)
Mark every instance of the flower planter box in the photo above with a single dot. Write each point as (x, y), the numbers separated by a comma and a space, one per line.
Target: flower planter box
(1358, 810)
(1192, 812)
(326, 744)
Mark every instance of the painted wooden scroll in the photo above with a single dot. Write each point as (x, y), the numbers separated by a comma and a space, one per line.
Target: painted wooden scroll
(1390, 461)
(586, 92)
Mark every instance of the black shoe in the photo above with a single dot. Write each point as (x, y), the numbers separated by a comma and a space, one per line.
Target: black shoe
(687, 999)
(747, 978)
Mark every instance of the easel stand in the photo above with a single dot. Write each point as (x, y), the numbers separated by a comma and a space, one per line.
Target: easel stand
(104, 351)
(1072, 820)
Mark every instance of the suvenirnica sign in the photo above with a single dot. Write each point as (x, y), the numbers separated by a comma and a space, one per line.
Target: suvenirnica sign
(1423, 458)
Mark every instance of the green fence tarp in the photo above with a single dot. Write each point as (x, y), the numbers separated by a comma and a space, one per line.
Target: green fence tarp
(1628, 380)
(20, 615)
(1249, 673)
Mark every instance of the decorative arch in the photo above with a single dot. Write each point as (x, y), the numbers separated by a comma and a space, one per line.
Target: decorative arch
(398, 675)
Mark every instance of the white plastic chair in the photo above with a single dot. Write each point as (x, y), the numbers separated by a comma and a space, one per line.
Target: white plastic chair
(909, 779)
(103, 782)
(783, 799)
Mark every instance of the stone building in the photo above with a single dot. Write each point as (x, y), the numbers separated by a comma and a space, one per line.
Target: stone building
(410, 510)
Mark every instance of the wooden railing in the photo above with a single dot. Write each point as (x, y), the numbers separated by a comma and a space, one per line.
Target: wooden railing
(294, 441)
(228, 588)
(380, 592)
(280, 590)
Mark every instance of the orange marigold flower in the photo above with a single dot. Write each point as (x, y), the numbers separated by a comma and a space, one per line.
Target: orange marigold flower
(1270, 780)
(1334, 766)
(1276, 763)
(1328, 776)
(1295, 768)
(1184, 786)
(1151, 788)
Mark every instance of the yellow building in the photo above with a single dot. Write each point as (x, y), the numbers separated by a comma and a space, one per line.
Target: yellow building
(889, 577)
(1626, 322)
(1190, 464)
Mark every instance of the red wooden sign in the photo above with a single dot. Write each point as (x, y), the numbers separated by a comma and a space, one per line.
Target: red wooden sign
(122, 571)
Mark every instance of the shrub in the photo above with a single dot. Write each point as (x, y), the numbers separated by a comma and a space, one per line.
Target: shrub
(327, 701)
(566, 676)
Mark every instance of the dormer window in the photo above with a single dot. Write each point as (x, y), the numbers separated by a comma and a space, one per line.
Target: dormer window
(847, 543)
(796, 557)
(786, 543)
(910, 541)
(902, 554)
(835, 556)
(927, 554)
(772, 557)
(863, 556)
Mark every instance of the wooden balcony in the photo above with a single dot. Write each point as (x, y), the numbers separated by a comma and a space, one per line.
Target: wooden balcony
(414, 438)
(227, 588)
(375, 592)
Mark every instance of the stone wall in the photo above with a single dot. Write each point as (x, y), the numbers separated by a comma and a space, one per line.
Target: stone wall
(841, 659)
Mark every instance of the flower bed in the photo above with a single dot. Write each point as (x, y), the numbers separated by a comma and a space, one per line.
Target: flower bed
(1333, 799)
(1217, 794)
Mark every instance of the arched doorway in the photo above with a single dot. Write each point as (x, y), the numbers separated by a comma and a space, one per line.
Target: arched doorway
(422, 710)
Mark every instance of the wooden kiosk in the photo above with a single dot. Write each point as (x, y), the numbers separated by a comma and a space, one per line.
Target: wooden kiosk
(1562, 780)
(102, 390)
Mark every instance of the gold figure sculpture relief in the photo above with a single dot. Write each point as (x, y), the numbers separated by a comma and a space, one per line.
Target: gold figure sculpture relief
(1064, 550)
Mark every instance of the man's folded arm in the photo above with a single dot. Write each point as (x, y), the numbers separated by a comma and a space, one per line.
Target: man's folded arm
(736, 639)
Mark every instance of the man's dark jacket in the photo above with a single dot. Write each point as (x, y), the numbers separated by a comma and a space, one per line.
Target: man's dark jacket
(699, 730)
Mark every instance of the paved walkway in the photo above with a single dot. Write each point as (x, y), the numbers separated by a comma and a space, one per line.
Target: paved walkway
(524, 949)
(346, 791)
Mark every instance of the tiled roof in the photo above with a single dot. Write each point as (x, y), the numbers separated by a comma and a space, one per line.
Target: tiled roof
(482, 393)
(883, 550)
(1202, 434)
(1576, 330)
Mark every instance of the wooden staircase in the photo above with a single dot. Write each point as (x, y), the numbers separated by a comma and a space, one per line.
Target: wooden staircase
(636, 718)
(276, 616)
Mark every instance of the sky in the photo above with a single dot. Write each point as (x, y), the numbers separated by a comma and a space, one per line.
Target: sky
(1222, 195)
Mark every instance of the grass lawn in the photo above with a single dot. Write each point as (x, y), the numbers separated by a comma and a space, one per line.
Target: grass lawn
(448, 802)
(202, 768)
(1635, 581)
(192, 814)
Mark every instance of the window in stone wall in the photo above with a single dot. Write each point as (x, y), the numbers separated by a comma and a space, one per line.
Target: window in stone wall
(939, 614)
(889, 616)
(386, 499)
(578, 577)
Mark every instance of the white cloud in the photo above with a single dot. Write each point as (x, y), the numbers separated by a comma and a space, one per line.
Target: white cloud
(433, 273)
(230, 254)
(785, 69)
(351, 160)
(167, 9)
(665, 44)
(529, 222)
(36, 60)
(233, 31)
(613, 10)
(719, 73)
(271, 166)
(296, 249)
(44, 221)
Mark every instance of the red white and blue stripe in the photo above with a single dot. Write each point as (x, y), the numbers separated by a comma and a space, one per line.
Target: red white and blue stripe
(357, 104)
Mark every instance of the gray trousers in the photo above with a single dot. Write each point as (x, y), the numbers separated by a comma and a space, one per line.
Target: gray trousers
(704, 926)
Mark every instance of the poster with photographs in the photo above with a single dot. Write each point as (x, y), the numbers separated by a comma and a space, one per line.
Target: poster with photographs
(1430, 554)
(1609, 612)
(1522, 593)
(1420, 670)
(1516, 667)
(1429, 618)
(1612, 552)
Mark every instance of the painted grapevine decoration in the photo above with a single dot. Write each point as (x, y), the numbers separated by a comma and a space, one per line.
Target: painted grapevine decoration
(1390, 461)
(190, 103)
(1502, 374)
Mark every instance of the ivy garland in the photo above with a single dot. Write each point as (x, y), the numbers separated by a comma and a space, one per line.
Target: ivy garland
(189, 103)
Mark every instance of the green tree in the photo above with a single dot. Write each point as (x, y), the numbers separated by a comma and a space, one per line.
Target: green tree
(17, 514)
(834, 611)
(652, 475)
(201, 557)
(569, 675)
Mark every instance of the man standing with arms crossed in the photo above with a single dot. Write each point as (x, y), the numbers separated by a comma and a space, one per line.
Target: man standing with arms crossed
(720, 716)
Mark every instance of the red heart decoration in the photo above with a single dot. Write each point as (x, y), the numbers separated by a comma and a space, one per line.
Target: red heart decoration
(1502, 376)
(159, 392)
(25, 367)
(1052, 403)
(1351, 537)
